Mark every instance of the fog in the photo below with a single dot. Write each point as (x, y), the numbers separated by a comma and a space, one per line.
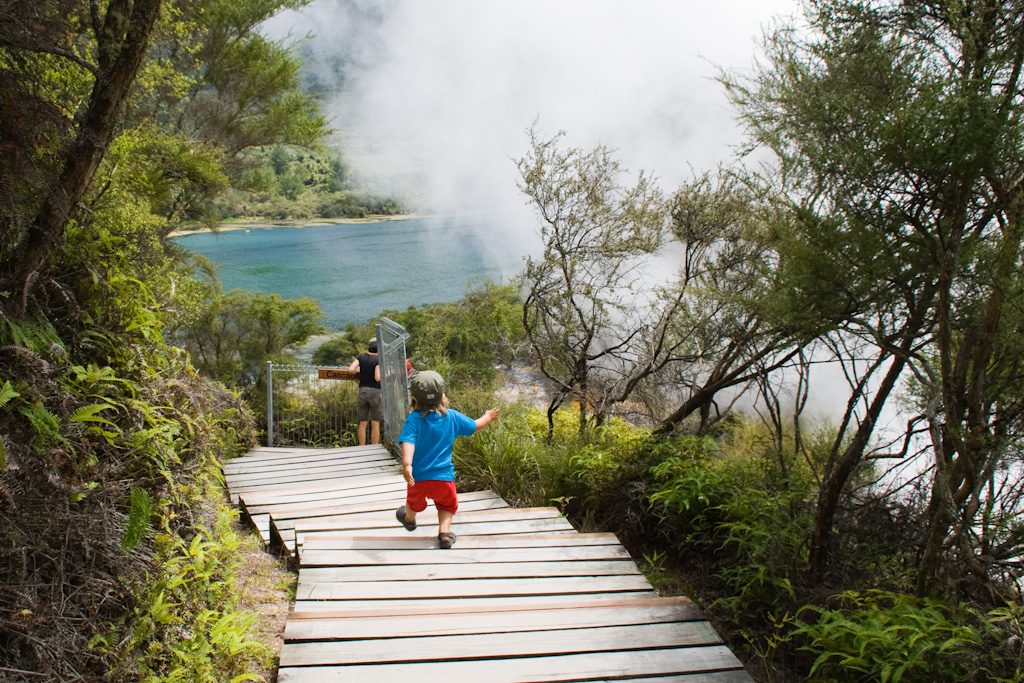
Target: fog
(435, 98)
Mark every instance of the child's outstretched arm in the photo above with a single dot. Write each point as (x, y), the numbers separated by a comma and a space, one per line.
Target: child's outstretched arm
(487, 418)
(407, 451)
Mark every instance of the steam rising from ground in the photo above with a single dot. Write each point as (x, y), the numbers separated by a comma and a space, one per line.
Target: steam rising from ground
(435, 97)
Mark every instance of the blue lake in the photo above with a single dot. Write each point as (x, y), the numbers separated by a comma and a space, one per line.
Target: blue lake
(354, 271)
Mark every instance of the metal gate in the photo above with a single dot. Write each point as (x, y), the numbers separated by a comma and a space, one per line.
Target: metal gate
(314, 406)
(394, 380)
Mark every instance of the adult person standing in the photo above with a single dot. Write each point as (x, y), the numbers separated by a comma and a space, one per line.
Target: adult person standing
(368, 405)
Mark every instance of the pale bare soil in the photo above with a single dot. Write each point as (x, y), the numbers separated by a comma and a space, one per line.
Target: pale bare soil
(267, 589)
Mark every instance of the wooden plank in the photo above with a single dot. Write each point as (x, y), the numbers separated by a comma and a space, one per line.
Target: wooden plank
(428, 527)
(336, 500)
(339, 483)
(283, 454)
(620, 613)
(367, 471)
(313, 557)
(406, 541)
(262, 525)
(460, 606)
(468, 588)
(344, 607)
(287, 516)
(389, 500)
(283, 530)
(491, 570)
(517, 526)
(346, 491)
(308, 461)
(573, 667)
(494, 645)
(355, 479)
(314, 460)
(496, 515)
(298, 454)
(345, 481)
(379, 462)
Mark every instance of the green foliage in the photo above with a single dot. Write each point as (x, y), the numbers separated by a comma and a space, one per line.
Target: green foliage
(187, 626)
(140, 512)
(509, 457)
(287, 182)
(234, 335)
(888, 637)
(703, 501)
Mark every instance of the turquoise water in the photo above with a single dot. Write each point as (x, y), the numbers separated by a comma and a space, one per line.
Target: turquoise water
(354, 271)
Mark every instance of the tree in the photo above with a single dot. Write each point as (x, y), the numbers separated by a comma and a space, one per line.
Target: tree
(43, 189)
(239, 331)
(725, 335)
(589, 316)
(899, 129)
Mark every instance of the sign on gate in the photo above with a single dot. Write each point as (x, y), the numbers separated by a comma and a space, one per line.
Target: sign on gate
(336, 373)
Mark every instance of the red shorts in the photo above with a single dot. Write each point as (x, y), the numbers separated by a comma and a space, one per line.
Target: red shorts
(441, 492)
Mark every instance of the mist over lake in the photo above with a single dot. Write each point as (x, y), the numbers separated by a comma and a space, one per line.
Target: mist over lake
(354, 271)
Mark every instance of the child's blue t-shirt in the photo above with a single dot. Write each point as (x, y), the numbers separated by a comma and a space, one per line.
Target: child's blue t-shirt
(433, 435)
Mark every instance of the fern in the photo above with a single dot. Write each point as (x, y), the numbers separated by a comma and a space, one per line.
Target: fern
(7, 392)
(45, 424)
(141, 511)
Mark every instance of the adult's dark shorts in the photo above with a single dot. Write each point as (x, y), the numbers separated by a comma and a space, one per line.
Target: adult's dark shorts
(368, 405)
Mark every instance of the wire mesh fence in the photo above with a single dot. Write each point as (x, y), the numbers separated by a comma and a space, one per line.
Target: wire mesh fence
(314, 406)
(308, 408)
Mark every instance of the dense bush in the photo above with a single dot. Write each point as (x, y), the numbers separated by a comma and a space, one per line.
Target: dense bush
(727, 517)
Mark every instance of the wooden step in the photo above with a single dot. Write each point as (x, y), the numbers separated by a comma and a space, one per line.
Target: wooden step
(564, 667)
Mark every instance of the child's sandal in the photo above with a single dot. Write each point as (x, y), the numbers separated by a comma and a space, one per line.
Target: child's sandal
(446, 539)
(400, 516)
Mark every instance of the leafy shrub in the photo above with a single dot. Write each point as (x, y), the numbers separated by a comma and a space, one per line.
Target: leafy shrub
(889, 637)
(187, 625)
(507, 458)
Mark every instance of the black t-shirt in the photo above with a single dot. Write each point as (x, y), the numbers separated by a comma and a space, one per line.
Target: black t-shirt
(367, 364)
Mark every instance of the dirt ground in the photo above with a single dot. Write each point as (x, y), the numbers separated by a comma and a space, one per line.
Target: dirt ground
(267, 589)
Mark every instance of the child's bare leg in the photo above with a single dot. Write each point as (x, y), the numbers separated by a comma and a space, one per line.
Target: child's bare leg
(444, 521)
(410, 514)
(374, 431)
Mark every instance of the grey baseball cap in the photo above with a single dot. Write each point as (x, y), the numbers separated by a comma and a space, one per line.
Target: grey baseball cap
(427, 387)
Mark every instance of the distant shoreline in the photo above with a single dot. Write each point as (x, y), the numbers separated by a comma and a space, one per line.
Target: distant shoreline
(248, 224)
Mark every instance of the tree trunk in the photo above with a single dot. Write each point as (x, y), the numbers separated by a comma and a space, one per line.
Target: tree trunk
(832, 488)
(116, 75)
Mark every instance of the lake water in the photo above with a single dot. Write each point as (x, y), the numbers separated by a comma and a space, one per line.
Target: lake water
(354, 271)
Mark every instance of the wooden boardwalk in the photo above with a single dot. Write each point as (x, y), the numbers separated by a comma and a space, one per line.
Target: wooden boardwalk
(522, 596)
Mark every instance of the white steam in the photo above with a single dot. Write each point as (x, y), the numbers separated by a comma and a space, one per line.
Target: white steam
(437, 96)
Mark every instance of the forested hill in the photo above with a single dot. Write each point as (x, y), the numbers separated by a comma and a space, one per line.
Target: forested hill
(884, 241)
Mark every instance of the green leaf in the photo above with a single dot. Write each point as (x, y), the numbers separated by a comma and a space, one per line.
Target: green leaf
(7, 392)
(140, 512)
(90, 412)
